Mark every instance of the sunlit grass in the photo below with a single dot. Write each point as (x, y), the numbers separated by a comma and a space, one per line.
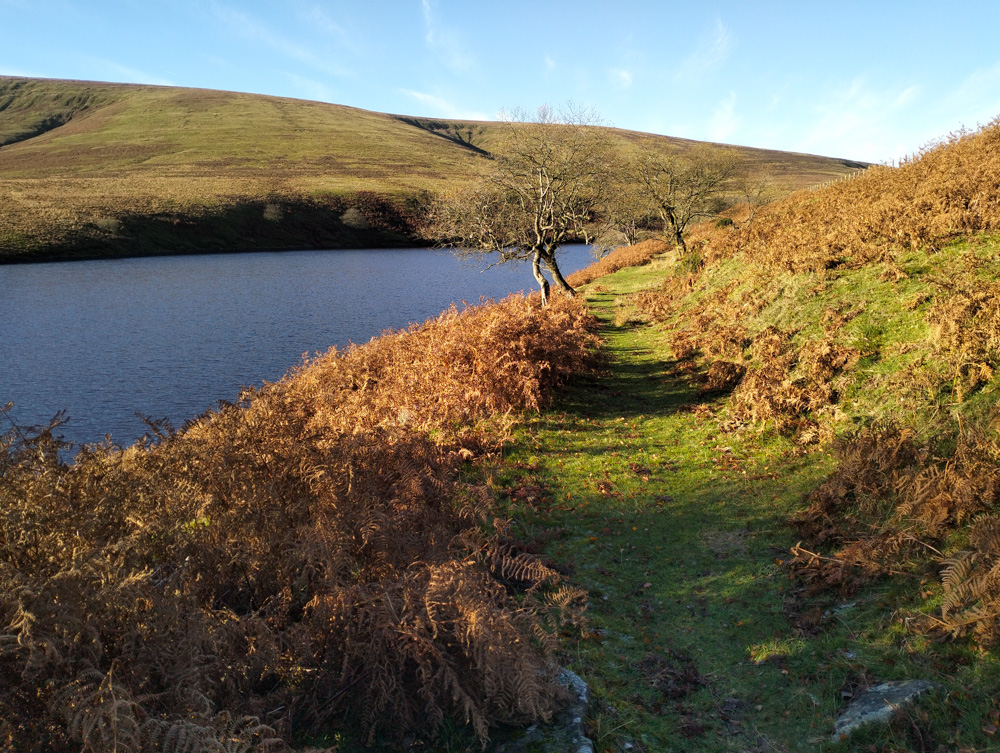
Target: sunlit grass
(677, 525)
(80, 156)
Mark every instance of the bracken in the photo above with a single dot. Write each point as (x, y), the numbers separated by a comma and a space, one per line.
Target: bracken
(305, 558)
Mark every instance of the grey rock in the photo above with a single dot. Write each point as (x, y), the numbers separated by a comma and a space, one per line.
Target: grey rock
(564, 734)
(878, 703)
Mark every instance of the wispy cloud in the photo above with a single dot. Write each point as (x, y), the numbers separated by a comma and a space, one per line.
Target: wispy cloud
(621, 77)
(444, 40)
(711, 53)
(311, 89)
(428, 9)
(859, 121)
(906, 97)
(550, 63)
(254, 30)
(724, 121)
(319, 20)
(130, 75)
(440, 107)
(976, 98)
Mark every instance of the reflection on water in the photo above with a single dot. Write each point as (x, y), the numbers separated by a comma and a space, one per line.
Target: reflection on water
(167, 337)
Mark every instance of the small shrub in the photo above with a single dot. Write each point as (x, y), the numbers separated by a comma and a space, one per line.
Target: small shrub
(691, 262)
(353, 219)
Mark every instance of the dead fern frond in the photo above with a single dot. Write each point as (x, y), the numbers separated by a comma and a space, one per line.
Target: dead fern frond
(221, 734)
(100, 713)
(892, 506)
(310, 548)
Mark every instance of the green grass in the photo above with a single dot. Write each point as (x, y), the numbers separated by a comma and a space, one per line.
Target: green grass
(75, 154)
(698, 640)
(166, 130)
(328, 147)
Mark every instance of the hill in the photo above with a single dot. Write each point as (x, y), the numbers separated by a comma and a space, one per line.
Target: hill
(786, 488)
(777, 489)
(95, 169)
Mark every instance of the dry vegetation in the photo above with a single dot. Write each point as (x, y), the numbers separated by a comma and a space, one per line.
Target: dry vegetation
(305, 559)
(814, 299)
(951, 188)
(895, 505)
(93, 169)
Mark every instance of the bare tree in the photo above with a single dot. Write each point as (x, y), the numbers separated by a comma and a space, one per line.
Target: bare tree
(626, 213)
(685, 186)
(540, 190)
(757, 188)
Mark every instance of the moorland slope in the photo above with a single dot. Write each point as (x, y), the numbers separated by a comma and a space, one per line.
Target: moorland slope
(95, 169)
(786, 489)
(780, 488)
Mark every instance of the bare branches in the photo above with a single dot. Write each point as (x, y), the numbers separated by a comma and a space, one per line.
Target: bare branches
(545, 183)
(683, 188)
(756, 188)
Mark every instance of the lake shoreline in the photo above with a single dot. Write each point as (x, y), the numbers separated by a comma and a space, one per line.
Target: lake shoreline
(70, 256)
(168, 336)
(294, 223)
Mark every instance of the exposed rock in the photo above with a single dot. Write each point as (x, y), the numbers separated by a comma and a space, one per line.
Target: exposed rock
(878, 703)
(564, 734)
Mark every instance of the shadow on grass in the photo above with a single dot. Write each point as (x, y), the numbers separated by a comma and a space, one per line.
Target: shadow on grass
(633, 384)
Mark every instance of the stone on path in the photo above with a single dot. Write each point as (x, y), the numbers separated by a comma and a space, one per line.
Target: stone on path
(878, 703)
(564, 734)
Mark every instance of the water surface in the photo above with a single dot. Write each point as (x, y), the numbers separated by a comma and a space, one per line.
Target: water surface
(167, 337)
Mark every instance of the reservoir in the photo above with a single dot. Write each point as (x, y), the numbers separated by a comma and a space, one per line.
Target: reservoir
(168, 337)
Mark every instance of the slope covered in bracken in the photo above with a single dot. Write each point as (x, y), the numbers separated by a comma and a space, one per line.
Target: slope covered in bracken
(866, 314)
(306, 561)
(951, 188)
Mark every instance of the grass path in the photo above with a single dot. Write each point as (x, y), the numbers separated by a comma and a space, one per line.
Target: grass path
(697, 640)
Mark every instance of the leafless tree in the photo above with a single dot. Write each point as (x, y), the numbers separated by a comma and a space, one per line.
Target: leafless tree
(684, 187)
(626, 212)
(541, 189)
(757, 188)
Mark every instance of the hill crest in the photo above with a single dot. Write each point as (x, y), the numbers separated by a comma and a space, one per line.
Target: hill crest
(90, 168)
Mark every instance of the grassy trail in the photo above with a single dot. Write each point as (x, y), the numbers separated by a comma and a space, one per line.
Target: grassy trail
(697, 640)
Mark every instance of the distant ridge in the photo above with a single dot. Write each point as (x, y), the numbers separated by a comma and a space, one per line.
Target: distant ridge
(92, 169)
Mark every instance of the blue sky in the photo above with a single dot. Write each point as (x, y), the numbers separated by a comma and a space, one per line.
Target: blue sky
(869, 80)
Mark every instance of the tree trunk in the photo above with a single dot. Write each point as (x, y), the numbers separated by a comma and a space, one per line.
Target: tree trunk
(553, 265)
(536, 268)
(679, 240)
(631, 233)
(670, 227)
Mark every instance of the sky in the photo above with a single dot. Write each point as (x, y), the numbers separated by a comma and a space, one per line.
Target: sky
(872, 81)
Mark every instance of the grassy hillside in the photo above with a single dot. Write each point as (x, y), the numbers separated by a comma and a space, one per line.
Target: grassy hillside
(778, 488)
(786, 489)
(106, 169)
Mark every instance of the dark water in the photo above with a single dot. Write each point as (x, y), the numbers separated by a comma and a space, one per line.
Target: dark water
(168, 337)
